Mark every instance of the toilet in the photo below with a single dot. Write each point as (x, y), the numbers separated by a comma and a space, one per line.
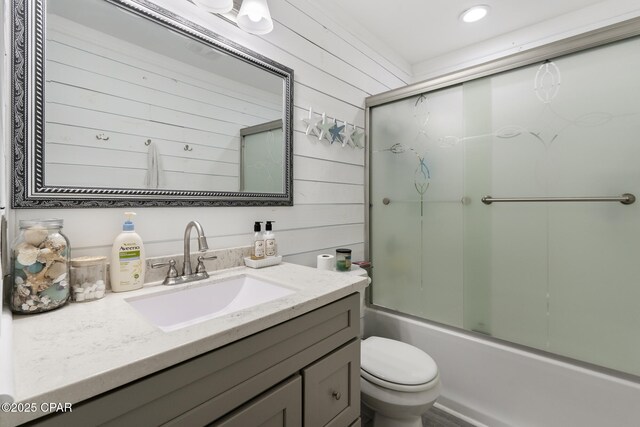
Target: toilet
(398, 382)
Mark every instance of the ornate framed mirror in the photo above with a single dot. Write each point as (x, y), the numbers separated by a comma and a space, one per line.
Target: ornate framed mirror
(123, 103)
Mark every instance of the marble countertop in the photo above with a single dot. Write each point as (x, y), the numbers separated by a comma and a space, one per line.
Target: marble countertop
(84, 349)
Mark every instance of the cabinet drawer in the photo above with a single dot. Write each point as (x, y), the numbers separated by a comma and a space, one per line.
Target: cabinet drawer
(332, 388)
(280, 407)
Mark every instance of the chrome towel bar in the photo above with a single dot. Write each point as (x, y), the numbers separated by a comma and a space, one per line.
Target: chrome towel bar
(625, 199)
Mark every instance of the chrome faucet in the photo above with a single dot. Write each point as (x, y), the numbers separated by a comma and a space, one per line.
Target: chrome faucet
(187, 272)
(202, 246)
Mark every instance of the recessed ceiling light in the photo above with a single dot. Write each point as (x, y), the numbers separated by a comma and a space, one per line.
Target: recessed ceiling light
(474, 13)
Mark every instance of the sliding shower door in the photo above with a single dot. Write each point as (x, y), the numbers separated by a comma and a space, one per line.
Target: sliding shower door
(550, 273)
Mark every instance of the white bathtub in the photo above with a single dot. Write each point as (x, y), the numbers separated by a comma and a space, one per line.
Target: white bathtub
(499, 386)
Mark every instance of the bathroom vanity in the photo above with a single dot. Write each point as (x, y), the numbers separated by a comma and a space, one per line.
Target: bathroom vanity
(293, 361)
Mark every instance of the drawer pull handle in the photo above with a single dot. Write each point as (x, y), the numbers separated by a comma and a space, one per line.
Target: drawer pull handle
(336, 395)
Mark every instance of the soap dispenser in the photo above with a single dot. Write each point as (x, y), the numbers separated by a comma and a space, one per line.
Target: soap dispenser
(127, 258)
(257, 249)
(270, 246)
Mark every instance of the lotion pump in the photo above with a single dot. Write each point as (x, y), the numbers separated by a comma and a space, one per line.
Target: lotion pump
(127, 258)
(257, 250)
(270, 246)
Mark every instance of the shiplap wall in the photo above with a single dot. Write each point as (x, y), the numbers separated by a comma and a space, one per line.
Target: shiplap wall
(102, 85)
(334, 72)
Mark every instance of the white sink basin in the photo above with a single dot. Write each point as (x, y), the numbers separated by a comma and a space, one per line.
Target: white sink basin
(178, 308)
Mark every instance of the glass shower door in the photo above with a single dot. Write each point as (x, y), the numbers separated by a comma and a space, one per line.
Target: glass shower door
(557, 276)
(416, 197)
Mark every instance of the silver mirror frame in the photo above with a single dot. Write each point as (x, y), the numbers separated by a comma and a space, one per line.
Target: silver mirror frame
(27, 120)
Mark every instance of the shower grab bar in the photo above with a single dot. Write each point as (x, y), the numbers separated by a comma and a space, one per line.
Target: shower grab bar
(625, 199)
(463, 200)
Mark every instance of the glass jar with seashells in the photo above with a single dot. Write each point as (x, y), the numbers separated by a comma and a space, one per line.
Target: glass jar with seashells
(40, 260)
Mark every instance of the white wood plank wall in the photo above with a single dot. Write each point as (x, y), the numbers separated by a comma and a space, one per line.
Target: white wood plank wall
(334, 72)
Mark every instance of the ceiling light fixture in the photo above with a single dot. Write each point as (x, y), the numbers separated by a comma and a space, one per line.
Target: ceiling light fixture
(254, 17)
(474, 13)
(215, 6)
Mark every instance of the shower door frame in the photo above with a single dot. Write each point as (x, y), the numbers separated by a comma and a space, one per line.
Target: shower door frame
(594, 38)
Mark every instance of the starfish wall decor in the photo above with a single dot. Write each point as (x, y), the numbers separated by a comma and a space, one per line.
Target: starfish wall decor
(333, 130)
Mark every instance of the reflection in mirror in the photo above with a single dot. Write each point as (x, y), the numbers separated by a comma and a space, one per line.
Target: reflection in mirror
(142, 107)
(132, 104)
(261, 158)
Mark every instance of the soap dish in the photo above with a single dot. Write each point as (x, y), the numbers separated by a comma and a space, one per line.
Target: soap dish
(264, 262)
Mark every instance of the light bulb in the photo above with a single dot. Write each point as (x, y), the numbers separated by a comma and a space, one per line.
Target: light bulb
(475, 13)
(254, 15)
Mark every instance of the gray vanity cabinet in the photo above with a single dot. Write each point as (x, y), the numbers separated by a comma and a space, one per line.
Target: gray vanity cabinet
(303, 372)
(332, 388)
(281, 407)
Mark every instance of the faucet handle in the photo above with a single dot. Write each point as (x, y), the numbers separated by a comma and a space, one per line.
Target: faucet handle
(201, 268)
(173, 272)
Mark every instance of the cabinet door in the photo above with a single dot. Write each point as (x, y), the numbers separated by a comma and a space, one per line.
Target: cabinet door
(279, 407)
(332, 388)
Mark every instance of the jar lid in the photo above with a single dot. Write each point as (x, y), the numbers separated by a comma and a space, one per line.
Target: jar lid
(46, 223)
(343, 251)
(85, 261)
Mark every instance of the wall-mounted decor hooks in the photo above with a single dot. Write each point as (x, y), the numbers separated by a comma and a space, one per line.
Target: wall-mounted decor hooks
(147, 142)
(187, 148)
(333, 130)
(102, 137)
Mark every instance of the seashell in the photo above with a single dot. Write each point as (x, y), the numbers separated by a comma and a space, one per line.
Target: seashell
(27, 255)
(45, 300)
(33, 308)
(39, 286)
(80, 297)
(30, 302)
(60, 278)
(35, 235)
(22, 246)
(56, 271)
(23, 291)
(18, 280)
(20, 273)
(24, 307)
(55, 242)
(47, 256)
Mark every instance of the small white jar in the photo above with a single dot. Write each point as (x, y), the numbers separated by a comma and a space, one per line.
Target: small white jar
(88, 278)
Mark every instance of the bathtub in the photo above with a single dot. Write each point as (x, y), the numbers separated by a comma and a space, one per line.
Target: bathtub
(492, 384)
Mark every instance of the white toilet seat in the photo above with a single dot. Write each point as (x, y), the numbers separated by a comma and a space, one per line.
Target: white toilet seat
(399, 387)
(396, 365)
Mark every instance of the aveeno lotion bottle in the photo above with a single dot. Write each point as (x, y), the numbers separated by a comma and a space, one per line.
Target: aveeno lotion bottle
(127, 259)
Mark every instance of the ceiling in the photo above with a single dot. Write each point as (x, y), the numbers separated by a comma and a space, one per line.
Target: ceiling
(419, 30)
